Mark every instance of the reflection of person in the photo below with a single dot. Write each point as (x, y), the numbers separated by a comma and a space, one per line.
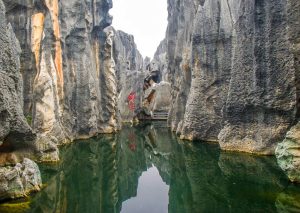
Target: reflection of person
(132, 147)
(132, 139)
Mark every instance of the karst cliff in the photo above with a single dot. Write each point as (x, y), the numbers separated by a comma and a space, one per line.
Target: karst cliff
(67, 68)
(18, 175)
(62, 79)
(234, 70)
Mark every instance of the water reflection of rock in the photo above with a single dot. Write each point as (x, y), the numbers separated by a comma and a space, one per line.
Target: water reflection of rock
(158, 149)
(98, 175)
(289, 200)
(131, 163)
(251, 181)
(86, 180)
(202, 181)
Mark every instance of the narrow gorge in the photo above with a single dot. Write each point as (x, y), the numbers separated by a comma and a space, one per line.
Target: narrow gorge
(216, 110)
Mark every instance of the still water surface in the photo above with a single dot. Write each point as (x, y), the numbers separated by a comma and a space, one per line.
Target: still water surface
(146, 169)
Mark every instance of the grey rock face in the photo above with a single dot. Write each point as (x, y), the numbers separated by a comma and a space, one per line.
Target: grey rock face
(16, 179)
(261, 101)
(20, 180)
(288, 154)
(157, 98)
(147, 62)
(68, 69)
(126, 53)
(77, 70)
(160, 61)
(233, 67)
(130, 74)
(14, 128)
(131, 94)
(178, 37)
(210, 71)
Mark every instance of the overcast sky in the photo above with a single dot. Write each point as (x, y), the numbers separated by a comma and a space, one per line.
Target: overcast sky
(145, 19)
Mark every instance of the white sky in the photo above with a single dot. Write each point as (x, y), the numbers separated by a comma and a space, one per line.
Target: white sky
(146, 20)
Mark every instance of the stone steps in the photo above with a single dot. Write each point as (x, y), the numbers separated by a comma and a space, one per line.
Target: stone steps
(156, 116)
(160, 116)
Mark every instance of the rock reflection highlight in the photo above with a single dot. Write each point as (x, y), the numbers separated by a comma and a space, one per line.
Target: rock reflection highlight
(147, 169)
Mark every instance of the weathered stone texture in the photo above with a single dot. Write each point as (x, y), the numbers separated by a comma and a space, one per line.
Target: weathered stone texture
(210, 64)
(233, 67)
(18, 175)
(261, 100)
(157, 98)
(178, 35)
(77, 70)
(130, 75)
(126, 53)
(68, 69)
(20, 180)
(288, 151)
(14, 128)
(131, 84)
(288, 154)
(160, 60)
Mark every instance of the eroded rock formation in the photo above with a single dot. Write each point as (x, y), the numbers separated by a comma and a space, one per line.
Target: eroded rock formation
(288, 154)
(77, 71)
(18, 175)
(130, 74)
(160, 60)
(262, 94)
(14, 128)
(157, 90)
(233, 66)
(157, 100)
(68, 69)
(71, 66)
(18, 181)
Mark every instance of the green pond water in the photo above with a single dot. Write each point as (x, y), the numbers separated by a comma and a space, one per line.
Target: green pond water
(147, 169)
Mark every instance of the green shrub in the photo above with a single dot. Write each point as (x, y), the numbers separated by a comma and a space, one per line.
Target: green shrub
(29, 119)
